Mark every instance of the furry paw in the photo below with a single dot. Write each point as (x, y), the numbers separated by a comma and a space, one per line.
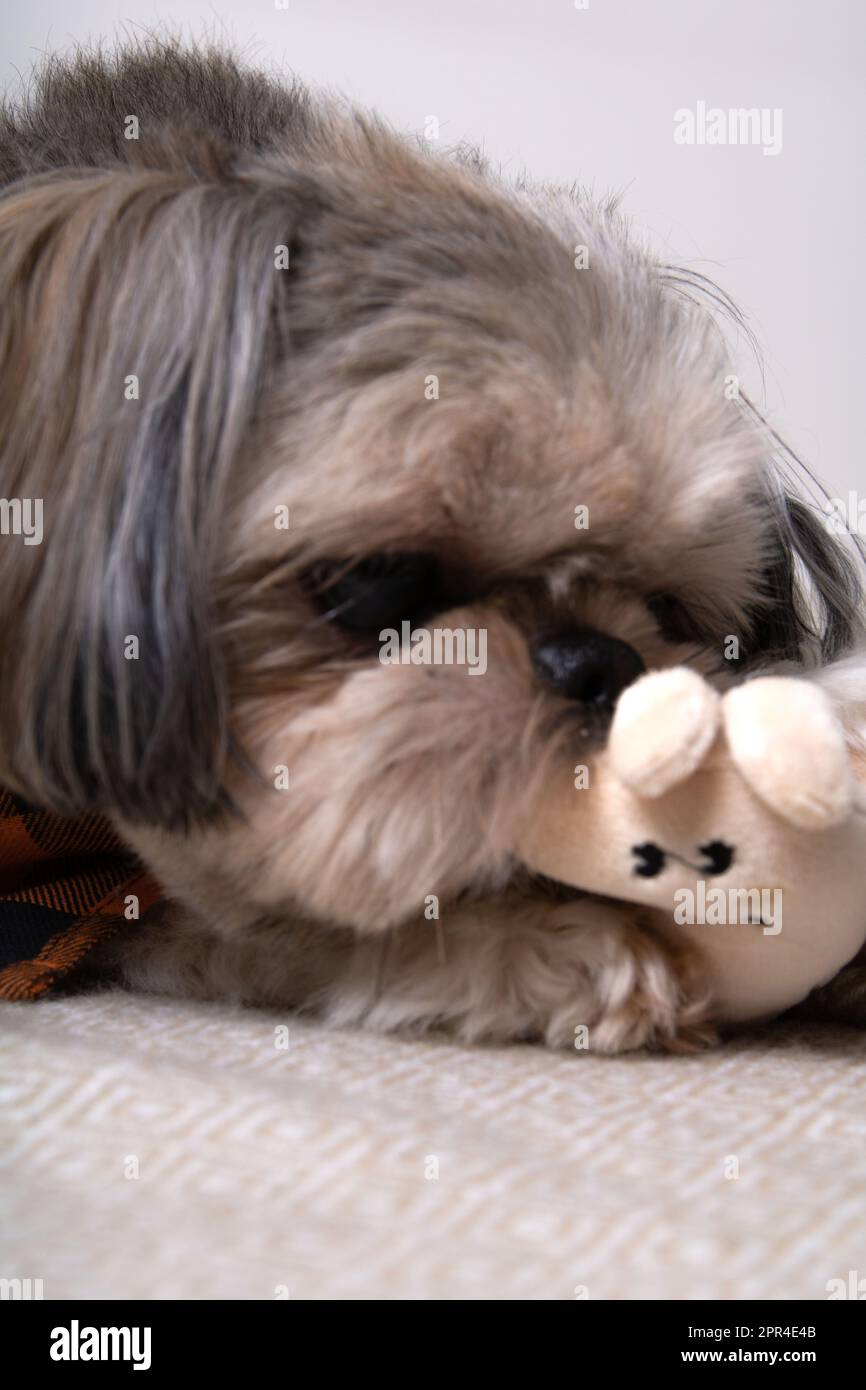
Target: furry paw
(634, 990)
(579, 975)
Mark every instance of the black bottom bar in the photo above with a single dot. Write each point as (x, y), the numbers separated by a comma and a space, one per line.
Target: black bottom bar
(163, 1338)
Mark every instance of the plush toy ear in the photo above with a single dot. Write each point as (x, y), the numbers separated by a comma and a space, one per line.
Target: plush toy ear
(138, 325)
(764, 720)
(662, 730)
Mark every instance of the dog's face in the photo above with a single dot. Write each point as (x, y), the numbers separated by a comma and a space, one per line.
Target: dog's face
(476, 436)
(442, 413)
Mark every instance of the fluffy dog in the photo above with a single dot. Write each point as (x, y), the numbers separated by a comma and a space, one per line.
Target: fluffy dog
(284, 381)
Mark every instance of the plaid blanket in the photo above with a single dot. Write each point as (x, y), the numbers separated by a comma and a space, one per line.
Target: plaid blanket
(65, 886)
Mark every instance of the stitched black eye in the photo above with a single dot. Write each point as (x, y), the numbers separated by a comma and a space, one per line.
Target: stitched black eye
(378, 591)
(718, 855)
(675, 622)
(650, 859)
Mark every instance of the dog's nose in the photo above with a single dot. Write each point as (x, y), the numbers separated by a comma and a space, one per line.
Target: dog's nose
(588, 666)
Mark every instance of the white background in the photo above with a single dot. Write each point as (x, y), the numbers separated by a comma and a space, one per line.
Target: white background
(590, 95)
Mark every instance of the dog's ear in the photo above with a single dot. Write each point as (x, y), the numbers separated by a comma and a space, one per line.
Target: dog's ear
(138, 329)
(812, 593)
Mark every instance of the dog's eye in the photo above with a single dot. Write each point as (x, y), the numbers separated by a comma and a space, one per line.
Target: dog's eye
(379, 591)
(675, 622)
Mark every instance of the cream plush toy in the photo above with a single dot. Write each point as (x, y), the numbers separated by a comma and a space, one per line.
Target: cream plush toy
(697, 810)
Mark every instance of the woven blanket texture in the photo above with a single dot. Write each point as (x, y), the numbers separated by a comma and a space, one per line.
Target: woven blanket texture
(157, 1149)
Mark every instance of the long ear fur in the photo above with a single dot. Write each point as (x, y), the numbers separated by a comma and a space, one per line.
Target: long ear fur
(812, 608)
(136, 333)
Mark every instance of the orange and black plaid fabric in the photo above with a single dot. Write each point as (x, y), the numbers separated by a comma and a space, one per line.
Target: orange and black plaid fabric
(64, 885)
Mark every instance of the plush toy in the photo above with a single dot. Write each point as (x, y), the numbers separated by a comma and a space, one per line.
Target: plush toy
(737, 818)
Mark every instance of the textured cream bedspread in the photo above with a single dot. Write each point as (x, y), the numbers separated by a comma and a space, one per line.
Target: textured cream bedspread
(352, 1166)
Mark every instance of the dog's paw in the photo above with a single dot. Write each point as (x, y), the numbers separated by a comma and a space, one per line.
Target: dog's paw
(580, 975)
(788, 744)
(663, 727)
(607, 984)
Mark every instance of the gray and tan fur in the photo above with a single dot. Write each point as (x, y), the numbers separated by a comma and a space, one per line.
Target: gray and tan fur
(262, 388)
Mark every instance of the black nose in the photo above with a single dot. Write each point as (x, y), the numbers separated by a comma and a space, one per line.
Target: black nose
(588, 666)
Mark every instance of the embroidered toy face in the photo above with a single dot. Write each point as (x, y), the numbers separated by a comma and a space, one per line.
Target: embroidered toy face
(774, 905)
(653, 859)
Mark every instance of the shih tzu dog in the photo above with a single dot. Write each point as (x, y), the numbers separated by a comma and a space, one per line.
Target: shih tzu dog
(286, 381)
